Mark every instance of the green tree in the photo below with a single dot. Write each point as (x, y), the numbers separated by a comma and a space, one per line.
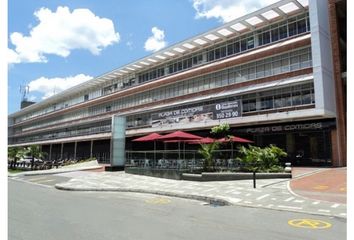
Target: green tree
(221, 130)
(35, 152)
(208, 152)
(14, 154)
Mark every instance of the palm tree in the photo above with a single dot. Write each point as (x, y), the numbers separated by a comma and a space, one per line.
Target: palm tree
(35, 152)
(208, 151)
(15, 153)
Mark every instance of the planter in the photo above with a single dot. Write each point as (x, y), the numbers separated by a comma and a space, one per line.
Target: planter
(206, 176)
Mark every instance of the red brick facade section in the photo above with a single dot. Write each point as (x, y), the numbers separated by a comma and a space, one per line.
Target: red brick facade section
(339, 143)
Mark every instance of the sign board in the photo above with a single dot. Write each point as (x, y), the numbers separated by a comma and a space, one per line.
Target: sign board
(200, 113)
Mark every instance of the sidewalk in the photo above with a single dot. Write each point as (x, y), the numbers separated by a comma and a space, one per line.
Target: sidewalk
(270, 193)
(325, 185)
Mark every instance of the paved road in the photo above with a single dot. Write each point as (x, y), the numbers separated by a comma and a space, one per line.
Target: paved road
(44, 213)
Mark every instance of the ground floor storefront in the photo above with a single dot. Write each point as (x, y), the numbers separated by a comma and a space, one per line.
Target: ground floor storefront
(307, 143)
(79, 150)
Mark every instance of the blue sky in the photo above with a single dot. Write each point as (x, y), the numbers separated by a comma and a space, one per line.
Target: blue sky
(53, 45)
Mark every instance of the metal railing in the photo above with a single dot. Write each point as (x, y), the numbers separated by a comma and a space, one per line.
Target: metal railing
(189, 160)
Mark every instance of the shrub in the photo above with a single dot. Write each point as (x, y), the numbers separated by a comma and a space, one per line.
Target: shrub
(261, 159)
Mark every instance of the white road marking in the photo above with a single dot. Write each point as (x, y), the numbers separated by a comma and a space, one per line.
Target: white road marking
(323, 210)
(343, 214)
(299, 201)
(261, 197)
(335, 205)
(236, 192)
(248, 194)
(270, 205)
(247, 202)
(290, 207)
(274, 199)
(289, 199)
(315, 203)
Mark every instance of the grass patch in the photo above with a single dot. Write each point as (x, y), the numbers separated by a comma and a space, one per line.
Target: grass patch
(14, 170)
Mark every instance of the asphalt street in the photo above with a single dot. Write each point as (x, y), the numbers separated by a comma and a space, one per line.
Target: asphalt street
(39, 211)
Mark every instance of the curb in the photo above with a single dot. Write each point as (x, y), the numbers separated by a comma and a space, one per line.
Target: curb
(210, 200)
(34, 173)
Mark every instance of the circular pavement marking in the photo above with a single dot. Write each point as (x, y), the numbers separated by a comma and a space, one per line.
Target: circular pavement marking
(320, 187)
(343, 189)
(158, 200)
(309, 223)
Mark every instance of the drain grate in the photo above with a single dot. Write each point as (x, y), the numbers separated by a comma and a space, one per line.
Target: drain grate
(215, 203)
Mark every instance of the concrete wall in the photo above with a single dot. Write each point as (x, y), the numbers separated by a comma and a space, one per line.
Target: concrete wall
(322, 57)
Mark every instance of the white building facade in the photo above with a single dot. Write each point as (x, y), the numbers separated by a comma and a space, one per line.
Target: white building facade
(269, 74)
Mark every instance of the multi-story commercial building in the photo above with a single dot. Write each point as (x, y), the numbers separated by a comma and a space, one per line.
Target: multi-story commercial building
(269, 74)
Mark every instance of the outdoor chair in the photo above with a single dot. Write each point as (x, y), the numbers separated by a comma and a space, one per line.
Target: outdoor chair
(181, 164)
(230, 163)
(161, 163)
(132, 163)
(147, 163)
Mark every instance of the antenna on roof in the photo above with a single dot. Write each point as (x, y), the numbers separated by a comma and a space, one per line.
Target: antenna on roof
(24, 90)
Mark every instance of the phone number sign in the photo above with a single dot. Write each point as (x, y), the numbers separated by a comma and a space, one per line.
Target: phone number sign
(227, 110)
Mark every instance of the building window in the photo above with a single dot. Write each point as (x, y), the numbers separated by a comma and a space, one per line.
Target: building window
(86, 97)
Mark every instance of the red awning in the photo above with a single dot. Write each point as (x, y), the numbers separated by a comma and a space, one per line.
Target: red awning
(148, 138)
(178, 135)
(235, 139)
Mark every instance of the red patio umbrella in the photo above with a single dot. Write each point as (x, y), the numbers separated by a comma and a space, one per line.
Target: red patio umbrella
(178, 136)
(206, 140)
(232, 140)
(149, 138)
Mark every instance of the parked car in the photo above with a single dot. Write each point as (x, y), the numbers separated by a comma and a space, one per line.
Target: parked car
(27, 160)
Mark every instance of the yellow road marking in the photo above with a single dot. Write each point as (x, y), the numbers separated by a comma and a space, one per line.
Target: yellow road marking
(38, 178)
(44, 181)
(321, 187)
(343, 189)
(158, 200)
(309, 223)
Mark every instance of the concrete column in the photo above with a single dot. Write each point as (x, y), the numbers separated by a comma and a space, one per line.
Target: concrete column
(75, 150)
(91, 148)
(50, 152)
(290, 143)
(61, 150)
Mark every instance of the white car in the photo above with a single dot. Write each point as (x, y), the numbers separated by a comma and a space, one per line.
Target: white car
(28, 160)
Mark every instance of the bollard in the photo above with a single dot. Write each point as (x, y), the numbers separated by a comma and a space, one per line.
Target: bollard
(254, 179)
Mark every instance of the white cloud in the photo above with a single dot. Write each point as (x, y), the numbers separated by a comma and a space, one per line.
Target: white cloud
(51, 86)
(61, 32)
(227, 10)
(12, 56)
(32, 98)
(156, 41)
